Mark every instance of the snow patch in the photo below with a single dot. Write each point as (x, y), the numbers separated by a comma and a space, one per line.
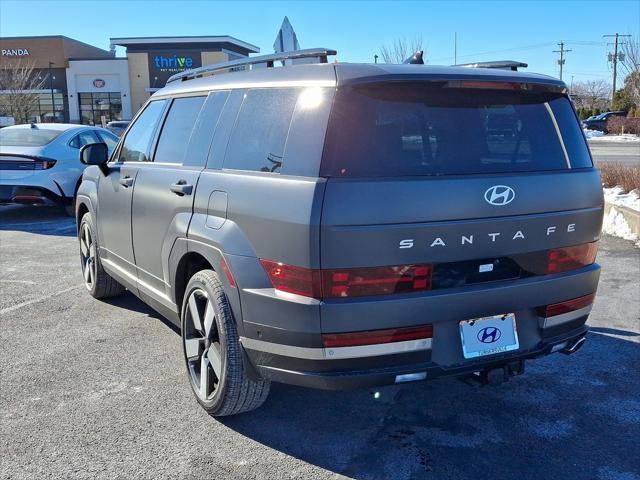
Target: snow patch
(614, 222)
(617, 196)
(592, 133)
(596, 136)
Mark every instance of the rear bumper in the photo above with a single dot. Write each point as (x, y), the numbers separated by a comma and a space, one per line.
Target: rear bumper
(296, 355)
(274, 367)
(56, 184)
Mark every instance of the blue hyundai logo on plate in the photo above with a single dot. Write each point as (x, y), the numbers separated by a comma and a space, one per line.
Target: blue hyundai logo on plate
(489, 335)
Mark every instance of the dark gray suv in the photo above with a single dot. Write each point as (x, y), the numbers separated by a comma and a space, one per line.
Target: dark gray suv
(349, 225)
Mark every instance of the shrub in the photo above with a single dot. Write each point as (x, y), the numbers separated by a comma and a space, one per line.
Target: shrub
(627, 176)
(619, 125)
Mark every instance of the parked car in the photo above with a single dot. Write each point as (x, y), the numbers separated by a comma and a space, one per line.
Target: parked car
(117, 126)
(600, 121)
(39, 161)
(345, 225)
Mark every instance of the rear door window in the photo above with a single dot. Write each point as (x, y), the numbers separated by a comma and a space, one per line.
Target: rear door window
(136, 144)
(420, 128)
(177, 128)
(258, 139)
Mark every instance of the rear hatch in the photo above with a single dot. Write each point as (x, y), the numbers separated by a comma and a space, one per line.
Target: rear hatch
(21, 151)
(476, 179)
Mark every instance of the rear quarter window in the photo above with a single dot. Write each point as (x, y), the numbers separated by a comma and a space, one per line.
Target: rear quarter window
(258, 139)
(429, 128)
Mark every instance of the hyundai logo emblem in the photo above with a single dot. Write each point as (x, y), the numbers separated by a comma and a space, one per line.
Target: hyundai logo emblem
(499, 195)
(489, 335)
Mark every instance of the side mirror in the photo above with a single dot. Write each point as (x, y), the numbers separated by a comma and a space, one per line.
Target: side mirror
(94, 154)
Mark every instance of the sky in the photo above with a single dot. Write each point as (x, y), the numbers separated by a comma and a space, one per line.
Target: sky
(522, 30)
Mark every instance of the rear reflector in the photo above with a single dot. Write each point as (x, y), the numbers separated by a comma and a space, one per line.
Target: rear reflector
(29, 199)
(566, 306)
(348, 282)
(227, 273)
(570, 258)
(353, 339)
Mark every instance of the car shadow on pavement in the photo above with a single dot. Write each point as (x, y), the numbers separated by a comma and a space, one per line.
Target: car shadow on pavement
(128, 301)
(42, 220)
(567, 417)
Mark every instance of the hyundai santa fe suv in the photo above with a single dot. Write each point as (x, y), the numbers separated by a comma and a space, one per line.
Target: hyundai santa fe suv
(348, 225)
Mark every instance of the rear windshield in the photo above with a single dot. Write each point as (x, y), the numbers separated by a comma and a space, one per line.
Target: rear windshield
(27, 137)
(414, 129)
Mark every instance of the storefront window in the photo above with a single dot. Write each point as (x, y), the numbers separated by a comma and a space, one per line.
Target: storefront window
(94, 106)
(41, 111)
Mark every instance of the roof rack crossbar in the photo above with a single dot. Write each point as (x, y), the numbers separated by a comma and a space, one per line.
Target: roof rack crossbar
(503, 64)
(321, 53)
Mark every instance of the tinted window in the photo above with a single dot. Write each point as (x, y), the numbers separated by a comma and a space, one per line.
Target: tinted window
(571, 132)
(108, 138)
(27, 137)
(83, 138)
(434, 129)
(258, 140)
(177, 129)
(136, 143)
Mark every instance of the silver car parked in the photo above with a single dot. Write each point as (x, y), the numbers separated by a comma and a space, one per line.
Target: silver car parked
(39, 162)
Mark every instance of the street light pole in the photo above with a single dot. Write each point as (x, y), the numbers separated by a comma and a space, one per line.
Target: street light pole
(53, 102)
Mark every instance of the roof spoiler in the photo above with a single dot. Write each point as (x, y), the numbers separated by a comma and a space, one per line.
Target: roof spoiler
(501, 64)
(269, 60)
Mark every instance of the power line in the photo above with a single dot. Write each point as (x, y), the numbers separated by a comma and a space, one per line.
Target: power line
(561, 60)
(614, 59)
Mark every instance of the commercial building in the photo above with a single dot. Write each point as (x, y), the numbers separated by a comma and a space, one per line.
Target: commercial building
(152, 60)
(80, 83)
(74, 82)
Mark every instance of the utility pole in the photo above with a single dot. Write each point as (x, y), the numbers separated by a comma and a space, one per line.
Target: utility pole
(614, 58)
(455, 48)
(561, 60)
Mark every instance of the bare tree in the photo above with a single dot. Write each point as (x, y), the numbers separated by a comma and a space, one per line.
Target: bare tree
(630, 66)
(400, 50)
(18, 85)
(591, 94)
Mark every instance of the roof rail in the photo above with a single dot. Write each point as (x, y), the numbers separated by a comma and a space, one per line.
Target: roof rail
(321, 53)
(502, 64)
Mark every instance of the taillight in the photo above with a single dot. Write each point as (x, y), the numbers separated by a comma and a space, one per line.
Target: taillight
(299, 280)
(566, 306)
(570, 258)
(348, 282)
(43, 164)
(372, 337)
(358, 282)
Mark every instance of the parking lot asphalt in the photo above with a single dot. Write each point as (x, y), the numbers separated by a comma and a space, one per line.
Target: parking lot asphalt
(92, 389)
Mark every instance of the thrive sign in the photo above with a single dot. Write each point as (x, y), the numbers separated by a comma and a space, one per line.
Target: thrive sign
(164, 64)
(15, 52)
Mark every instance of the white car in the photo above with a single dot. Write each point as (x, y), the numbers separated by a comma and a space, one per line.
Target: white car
(39, 162)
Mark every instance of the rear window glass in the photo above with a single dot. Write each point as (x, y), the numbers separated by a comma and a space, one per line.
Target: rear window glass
(414, 129)
(261, 129)
(27, 137)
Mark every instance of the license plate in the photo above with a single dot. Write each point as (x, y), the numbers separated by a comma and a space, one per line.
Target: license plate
(489, 335)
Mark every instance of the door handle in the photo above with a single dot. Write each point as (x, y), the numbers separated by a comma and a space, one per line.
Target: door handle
(181, 188)
(126, 181)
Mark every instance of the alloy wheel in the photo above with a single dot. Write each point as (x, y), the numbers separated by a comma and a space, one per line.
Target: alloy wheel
(202, 345)
(87, 256)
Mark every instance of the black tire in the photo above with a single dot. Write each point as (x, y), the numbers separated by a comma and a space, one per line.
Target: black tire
(70, 210)
(231, 390)
(98, 282)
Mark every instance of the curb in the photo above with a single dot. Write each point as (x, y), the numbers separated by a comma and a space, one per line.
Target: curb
(631, 216)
